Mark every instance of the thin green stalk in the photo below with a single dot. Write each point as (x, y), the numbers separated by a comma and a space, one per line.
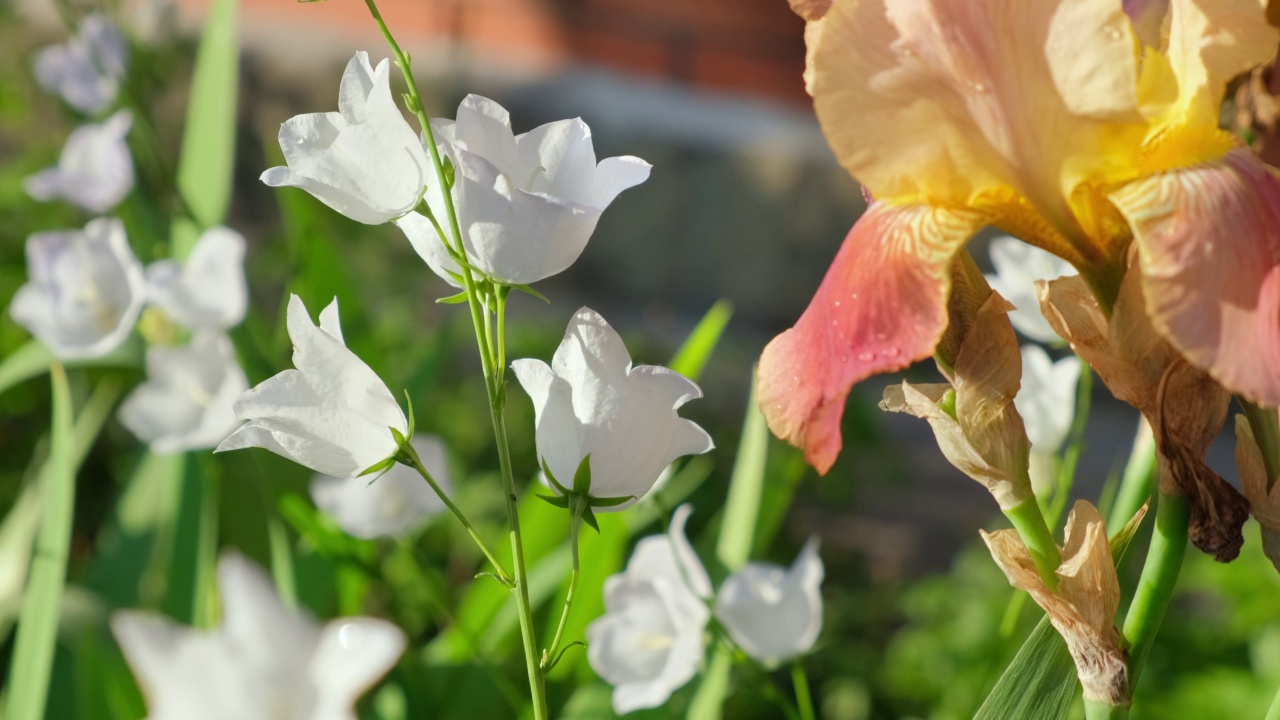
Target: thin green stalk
(1139, 478)
(1094, 710)
(37, 633)
(1029, 522)
(1273, 712)
(493, 383)
(415, 462)
(1265, 424)
(1155, 586)
(801, 683)
(549, 656)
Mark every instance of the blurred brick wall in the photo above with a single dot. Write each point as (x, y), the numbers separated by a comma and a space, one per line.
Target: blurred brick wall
(748, 46)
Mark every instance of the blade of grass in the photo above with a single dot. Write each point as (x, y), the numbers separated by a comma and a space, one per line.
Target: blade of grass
(692, 357)
(737, 533)
(38, 623)
(26, 362)
(209, 138)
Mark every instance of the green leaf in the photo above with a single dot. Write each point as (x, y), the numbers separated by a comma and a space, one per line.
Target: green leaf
(557, 500)
(1040, 681)
(208, 151)
(449, 173)
(546, 470)
(742, 509)
(692, 357)
(582, 477)
(42, 600)
(459, 299)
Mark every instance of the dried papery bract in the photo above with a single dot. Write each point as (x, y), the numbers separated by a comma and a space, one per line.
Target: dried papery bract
(1264, 502)
(1083, 607)
(1186, 407)
(983, 434)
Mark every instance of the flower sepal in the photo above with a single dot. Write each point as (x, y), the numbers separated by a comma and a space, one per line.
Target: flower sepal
(579, 500)
(405, 454)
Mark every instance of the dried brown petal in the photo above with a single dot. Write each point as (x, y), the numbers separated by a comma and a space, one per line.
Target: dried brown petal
(1186, 407)
(1263, 504)
(810, 10)
(1083, 607)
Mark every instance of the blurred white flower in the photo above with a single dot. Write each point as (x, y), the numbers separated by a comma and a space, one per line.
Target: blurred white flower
(394, 503)
(591, 401)
(364, 160)
(84, 290)
(95, 170)
(208, 290)
(262, 662)
(185, 403)
(773, 613)
(650, 640)
(1047, 399)
(86, 70)
(527, 204)
(332, 414)
(1018, 267)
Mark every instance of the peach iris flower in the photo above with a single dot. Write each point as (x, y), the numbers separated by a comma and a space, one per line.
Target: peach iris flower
(1078, 126)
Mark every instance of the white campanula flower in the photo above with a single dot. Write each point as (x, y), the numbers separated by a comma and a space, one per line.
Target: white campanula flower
(364, 160)
(393, 503)
(650, 640)
(774, 613)
(186, 401)
(95, 170)
(84, 290)
(591, 401)
(1018, 267)
(208, 289)
(1047, 399)
(262, 662)
(332, 414)
(527, 204)
(86, 70)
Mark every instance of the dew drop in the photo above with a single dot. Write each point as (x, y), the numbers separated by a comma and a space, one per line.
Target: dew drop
(892, 352)
(854, 296)
(866, 357)
(844, 358)
(837, 303)
(879, 336)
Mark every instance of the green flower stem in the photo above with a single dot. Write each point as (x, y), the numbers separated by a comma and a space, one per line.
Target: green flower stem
(1265, 425)
(800, 681)
(37, 632)
(1095, 710)
(549, 657)
(493, 381)
(415, 462)
(1155, 586)
(1029, 522)
(1138, 481)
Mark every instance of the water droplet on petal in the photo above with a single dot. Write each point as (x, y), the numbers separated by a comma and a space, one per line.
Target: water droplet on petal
(866, 357)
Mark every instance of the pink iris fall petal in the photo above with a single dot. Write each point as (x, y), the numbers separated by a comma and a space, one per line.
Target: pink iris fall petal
(881, 307)
(1209, 243)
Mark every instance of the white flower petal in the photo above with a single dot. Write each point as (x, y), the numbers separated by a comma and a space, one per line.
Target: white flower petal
(84, 290)
(332, 414)
(592, 402)
(364, 161)
(186, 402)
(209, 289)
(393, 503)
(483, 128)
(95, 170)
(86, 70)
(1046, 401)
(353, 653)
(1018, 267)
(426, 242)
(558, 159)
(773, 613)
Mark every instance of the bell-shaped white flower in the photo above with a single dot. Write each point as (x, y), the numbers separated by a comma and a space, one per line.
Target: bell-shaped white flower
(393, 503)
(332, 414)
(591, 401)
(650, 640)
(774, 613)
(208, 290)
(527, 204)
(364, 160)
(84, 290)
(95, 170)
(1047, 399)
(186, 401)
(86, 70)
(262, 662)
(1018, 267)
